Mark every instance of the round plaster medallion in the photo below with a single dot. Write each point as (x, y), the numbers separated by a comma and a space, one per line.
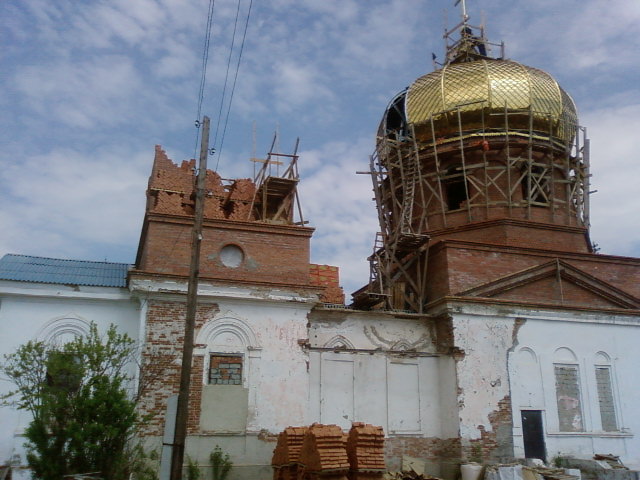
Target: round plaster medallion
(231, 256)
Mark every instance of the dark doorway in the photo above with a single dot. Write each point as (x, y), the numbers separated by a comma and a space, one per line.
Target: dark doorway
(533, 434)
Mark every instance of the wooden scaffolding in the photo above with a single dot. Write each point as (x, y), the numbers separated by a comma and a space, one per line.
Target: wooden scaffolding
(424, 184)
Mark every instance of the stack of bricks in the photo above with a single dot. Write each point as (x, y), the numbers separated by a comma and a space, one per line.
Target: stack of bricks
(287, 452)
(365, 449)
(327, 276)
(323, 454)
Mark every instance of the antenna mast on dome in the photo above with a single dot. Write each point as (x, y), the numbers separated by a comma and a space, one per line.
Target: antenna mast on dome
(472, 44)
(465, 17)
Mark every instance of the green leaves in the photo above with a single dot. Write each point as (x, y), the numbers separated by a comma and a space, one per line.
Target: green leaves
(220, 463)
(83, 417)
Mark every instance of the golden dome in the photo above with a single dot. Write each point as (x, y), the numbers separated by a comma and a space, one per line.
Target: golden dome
(483, 91)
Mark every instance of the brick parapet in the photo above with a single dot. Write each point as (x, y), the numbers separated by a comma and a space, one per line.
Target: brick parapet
(328, 277)
(171, 191)
(270, 253)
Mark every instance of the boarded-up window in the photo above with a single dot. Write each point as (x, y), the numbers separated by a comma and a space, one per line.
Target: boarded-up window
(225, 369)
(337, 389)
(605, 398)
(404, 397)
(568, 398)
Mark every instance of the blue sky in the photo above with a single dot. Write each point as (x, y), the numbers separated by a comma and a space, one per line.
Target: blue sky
(88, 88)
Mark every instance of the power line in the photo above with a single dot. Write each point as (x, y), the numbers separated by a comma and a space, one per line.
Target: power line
(203, 75)
(226, 76)
(235, 78)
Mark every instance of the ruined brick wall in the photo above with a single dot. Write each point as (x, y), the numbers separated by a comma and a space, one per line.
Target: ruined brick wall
(161, 363)
(327, 276)
(171, 191)
(484, 396)
(494, 444)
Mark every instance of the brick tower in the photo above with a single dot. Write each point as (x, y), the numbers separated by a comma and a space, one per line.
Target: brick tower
(249, 234)
(256, 288)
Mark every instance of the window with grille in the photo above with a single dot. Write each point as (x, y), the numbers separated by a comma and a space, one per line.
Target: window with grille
(225, 369)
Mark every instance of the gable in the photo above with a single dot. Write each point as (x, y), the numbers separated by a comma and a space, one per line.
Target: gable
(557, 283)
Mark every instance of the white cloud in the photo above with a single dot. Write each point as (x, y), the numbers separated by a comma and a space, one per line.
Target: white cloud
(76, 201)
(80, 93)
(295, 85)
(615, 207)
(337, 202)
(179, 60)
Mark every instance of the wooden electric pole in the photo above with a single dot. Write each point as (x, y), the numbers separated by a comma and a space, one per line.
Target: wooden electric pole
(182, 410)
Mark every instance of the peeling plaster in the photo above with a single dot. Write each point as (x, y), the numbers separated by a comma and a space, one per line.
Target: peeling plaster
(482, 371)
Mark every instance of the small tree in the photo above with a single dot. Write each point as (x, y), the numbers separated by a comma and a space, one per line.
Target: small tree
(83, 417)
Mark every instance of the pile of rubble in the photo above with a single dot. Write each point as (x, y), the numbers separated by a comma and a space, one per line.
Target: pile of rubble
(324, 451)
(533, 472)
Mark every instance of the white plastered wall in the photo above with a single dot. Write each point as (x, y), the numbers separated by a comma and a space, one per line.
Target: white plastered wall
(267, 334)
(30, 311)
(586, 341)
(383, 370)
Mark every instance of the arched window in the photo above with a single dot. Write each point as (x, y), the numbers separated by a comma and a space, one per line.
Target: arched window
(61, 330)
(230, 363)
(568, 397)
(339, 343)
(227, 340)
(604, 384)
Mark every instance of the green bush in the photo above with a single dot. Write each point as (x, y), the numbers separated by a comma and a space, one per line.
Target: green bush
(83, 418)
(220, 463)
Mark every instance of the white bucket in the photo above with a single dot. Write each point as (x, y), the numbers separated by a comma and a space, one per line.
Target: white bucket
(471, 471)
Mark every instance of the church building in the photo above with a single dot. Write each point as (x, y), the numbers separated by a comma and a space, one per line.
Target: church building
(489, 328)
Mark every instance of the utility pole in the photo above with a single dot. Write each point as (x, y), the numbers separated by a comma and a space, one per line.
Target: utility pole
(182, 410)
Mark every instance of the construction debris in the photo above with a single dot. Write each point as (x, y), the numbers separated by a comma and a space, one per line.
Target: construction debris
(519, 472)
(612, 460)
(411, 475)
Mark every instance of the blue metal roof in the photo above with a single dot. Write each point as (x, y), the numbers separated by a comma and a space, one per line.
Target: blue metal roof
(25, 268)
